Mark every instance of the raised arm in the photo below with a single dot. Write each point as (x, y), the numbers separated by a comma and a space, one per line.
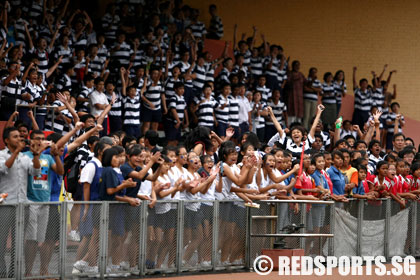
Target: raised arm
(235, 30)
(275, 121)
(354, 78)
(254, 35)
(79, 140)
(64, 100)
(317, 118)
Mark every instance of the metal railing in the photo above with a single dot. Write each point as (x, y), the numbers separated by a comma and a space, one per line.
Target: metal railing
(118, 239)
(50, 110)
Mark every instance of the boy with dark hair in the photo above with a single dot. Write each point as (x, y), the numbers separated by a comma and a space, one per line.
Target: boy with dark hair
(87, 89)
(362, 101)
(177, 116)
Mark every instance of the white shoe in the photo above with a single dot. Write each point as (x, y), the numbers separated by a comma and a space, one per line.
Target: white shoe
(164, 266)
(75, 271)
(124, 265)
(74, 236)
(80, 266)
(91, 270)
(206, 263)
(225, 263)
(237, 262)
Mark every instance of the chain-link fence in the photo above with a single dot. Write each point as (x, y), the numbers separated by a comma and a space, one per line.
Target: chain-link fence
(111, 239)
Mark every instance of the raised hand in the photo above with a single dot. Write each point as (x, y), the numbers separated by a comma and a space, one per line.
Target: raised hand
(230, 131)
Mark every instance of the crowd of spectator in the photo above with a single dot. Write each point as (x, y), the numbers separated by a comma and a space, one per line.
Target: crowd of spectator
(85, 101)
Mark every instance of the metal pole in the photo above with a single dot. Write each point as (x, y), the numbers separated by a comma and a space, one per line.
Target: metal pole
(19, 228)
(143, 239)
(387, 227)
(248, 243)
(215, 234)
(331, 251)
(180, 236)
(414, 227)
(63, 238)
(103, 239)
(303, 221)
(360, 206)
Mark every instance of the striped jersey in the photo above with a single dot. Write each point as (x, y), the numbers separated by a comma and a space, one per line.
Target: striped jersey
(32, 90)
(311, 95)
(362, 100)
(205, 112)
(198, 29)
(60, 126)
(85, 93)
(378, 98)
(132, 110)
(42, 58)
(265, 93)
(340, 89)
(257, 65)
(258, 121)
(169, 87)
(96, 65)
(216, 25)
(278, 110)
(233, 111)
(123, 54)
(178, 103)
(222, 115)
(328, 93)
(200, 79)
(110, 25)
(64, 83)
(13, 89)
(66, 53)
(391, 117)
(116, 108)
(153, 94)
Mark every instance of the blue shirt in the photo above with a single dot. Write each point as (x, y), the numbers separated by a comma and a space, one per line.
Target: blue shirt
(54, 179)
(337, 178)
(126, 169)
(320, 179)
(360, 189)
(39, 188)
(110, 179)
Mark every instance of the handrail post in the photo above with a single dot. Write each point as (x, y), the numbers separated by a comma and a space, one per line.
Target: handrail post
(387, 227)
(180, 236)
(103, 239)
(248, 238)
(215, 234)
(414, 206)
(63, 238)
(360, 208)
(143, 239)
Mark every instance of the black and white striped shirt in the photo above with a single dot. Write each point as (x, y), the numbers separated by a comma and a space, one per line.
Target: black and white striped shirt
(84, 155)
(233, 111)
(96, 65)
(169, 87)
(362, 100)
(312, 95)
(247, 57)
(198, 29)
(257, 66)
(216, 24)
(328, 94)
(205, 112)
(13, 89)
(391, 117)
(36, 9)
(20, 32)
(103, 52)
(116, 108)
(64, 83)
(60, 125)
(200, 78)
(41, 91)
(66, 53)
(289, 145)
(123, 54)
(274, 69)
(85, 93)
(209, 71)
(222, 115)
(178, 103)
(259, 120)
(153, 94)
(278, 110)
(224, 76)
(32, 90)
(265, 93)
(132, 110)
(110, 25)
(42, 58)
(378, 98)
(339, 90)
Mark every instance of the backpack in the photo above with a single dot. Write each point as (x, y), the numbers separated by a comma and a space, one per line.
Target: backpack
(72, 170)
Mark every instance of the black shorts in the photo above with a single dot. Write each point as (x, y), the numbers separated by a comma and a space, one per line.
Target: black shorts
(225, 210)
(132, 218)
(78, 194)
(151, 217)
(193, 218)
(116, 219)
(172, 133)
(167, 220)
(207, 211)
(148, 115)
(53, 226)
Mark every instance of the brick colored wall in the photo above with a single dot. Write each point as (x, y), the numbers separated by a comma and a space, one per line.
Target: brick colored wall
(332, 35)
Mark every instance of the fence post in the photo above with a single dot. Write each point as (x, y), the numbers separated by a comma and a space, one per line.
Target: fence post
(215, 234)
(63, 238)
(303, 221)
(387, 227)
(414, 227)
(331, 251)
(19, 229)
(248, 238)
(143, 239)
(360, 208)
(103, 239)
(180, 236)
